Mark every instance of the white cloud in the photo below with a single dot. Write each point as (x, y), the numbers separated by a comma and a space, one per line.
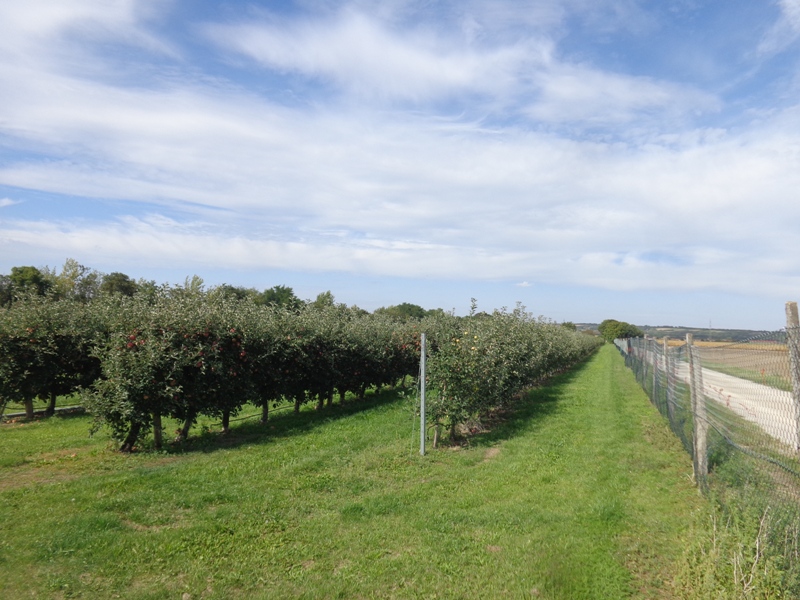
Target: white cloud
(235, 178)
(366, 57)
(40, 27)
(785, 31)
(580, 93)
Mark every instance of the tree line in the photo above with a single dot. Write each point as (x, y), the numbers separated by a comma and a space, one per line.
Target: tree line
(183, 351)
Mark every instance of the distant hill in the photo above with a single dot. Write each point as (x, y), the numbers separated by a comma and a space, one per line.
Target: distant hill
(699, 333)
(703, 334)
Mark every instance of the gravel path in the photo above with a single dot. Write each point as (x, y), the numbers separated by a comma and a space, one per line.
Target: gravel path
(768, 407)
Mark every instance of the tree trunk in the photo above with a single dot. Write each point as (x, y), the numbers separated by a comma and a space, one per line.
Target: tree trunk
(436, 435)
(51, 408)
(265, 412)
(29, 408)
(226, 421)
(158, 433)
(452, 432)
(329, 402)
(187, 425)
(342, 394)
(362, 392)
(130, 440)
(320, 401)
(298, 401)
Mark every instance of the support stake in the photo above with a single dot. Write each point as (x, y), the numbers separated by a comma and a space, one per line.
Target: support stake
(422, 396)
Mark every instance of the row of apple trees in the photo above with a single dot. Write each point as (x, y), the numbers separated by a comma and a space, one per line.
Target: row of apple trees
(182, 353)
(195, 354)
(46, 351)
(480, 364)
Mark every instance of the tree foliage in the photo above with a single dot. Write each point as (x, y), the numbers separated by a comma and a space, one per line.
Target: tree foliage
(279, 295)
(611, 329)
(403, 312)
(118, 283)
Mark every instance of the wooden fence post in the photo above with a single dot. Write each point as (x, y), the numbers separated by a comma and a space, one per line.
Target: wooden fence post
(793, 340)
(700, 429)
(667, 375)
(656, 366)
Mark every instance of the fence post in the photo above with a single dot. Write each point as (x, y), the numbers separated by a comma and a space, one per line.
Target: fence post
(793, 339)
(700, 429)
(654, 395)
(422, 375)
(667, 374)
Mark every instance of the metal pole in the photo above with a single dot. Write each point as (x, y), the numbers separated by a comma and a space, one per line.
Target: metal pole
(422, 396)
(793, 339)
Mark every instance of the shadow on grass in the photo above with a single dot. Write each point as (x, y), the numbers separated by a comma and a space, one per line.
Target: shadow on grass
(69, 412)
(534, 405)
(285, 424)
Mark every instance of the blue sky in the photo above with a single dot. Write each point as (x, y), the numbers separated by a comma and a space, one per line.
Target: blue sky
(591, 159)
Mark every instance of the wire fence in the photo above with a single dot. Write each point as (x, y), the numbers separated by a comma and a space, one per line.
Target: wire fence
(738, 396)
(736, 409)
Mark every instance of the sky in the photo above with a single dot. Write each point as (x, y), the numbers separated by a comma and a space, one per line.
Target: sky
(591, 159)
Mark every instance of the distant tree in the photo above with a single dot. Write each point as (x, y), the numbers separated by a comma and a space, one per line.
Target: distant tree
(324, 299)
(569, 325)
(76, 281)
(279, 295)
(118, 283)
(6, 290)
(29, 279)
(148, 288)
(403, 312)
(611, 329)
(192, 286)
(235, 292)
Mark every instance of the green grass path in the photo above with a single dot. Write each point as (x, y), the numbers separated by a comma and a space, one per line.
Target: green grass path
(581, 493)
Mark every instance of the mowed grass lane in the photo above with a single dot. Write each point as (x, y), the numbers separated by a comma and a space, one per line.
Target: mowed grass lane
(581, 492)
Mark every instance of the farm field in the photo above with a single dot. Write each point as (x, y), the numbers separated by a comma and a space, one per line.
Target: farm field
(580, 492)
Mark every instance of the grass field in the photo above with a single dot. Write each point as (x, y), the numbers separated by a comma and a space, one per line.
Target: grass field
(580, 492)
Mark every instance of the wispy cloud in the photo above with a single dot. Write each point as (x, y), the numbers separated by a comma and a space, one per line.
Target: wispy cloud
(785, 31)
(369, 58)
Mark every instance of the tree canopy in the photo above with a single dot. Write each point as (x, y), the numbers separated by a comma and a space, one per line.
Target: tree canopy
(279, 295)
(612, 329)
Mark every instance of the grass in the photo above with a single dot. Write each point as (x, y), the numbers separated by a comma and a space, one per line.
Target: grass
(579, 492)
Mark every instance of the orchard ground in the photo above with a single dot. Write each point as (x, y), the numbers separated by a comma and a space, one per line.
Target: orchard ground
(579, 492)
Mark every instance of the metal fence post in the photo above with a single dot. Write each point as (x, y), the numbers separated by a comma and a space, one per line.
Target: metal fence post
(793, 339)
(422, 395)
(700, 429)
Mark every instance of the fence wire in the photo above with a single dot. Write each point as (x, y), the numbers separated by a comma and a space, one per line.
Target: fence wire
(746, 403)
(747, 400)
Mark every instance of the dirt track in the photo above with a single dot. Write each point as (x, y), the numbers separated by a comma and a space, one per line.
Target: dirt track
(768, 407)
